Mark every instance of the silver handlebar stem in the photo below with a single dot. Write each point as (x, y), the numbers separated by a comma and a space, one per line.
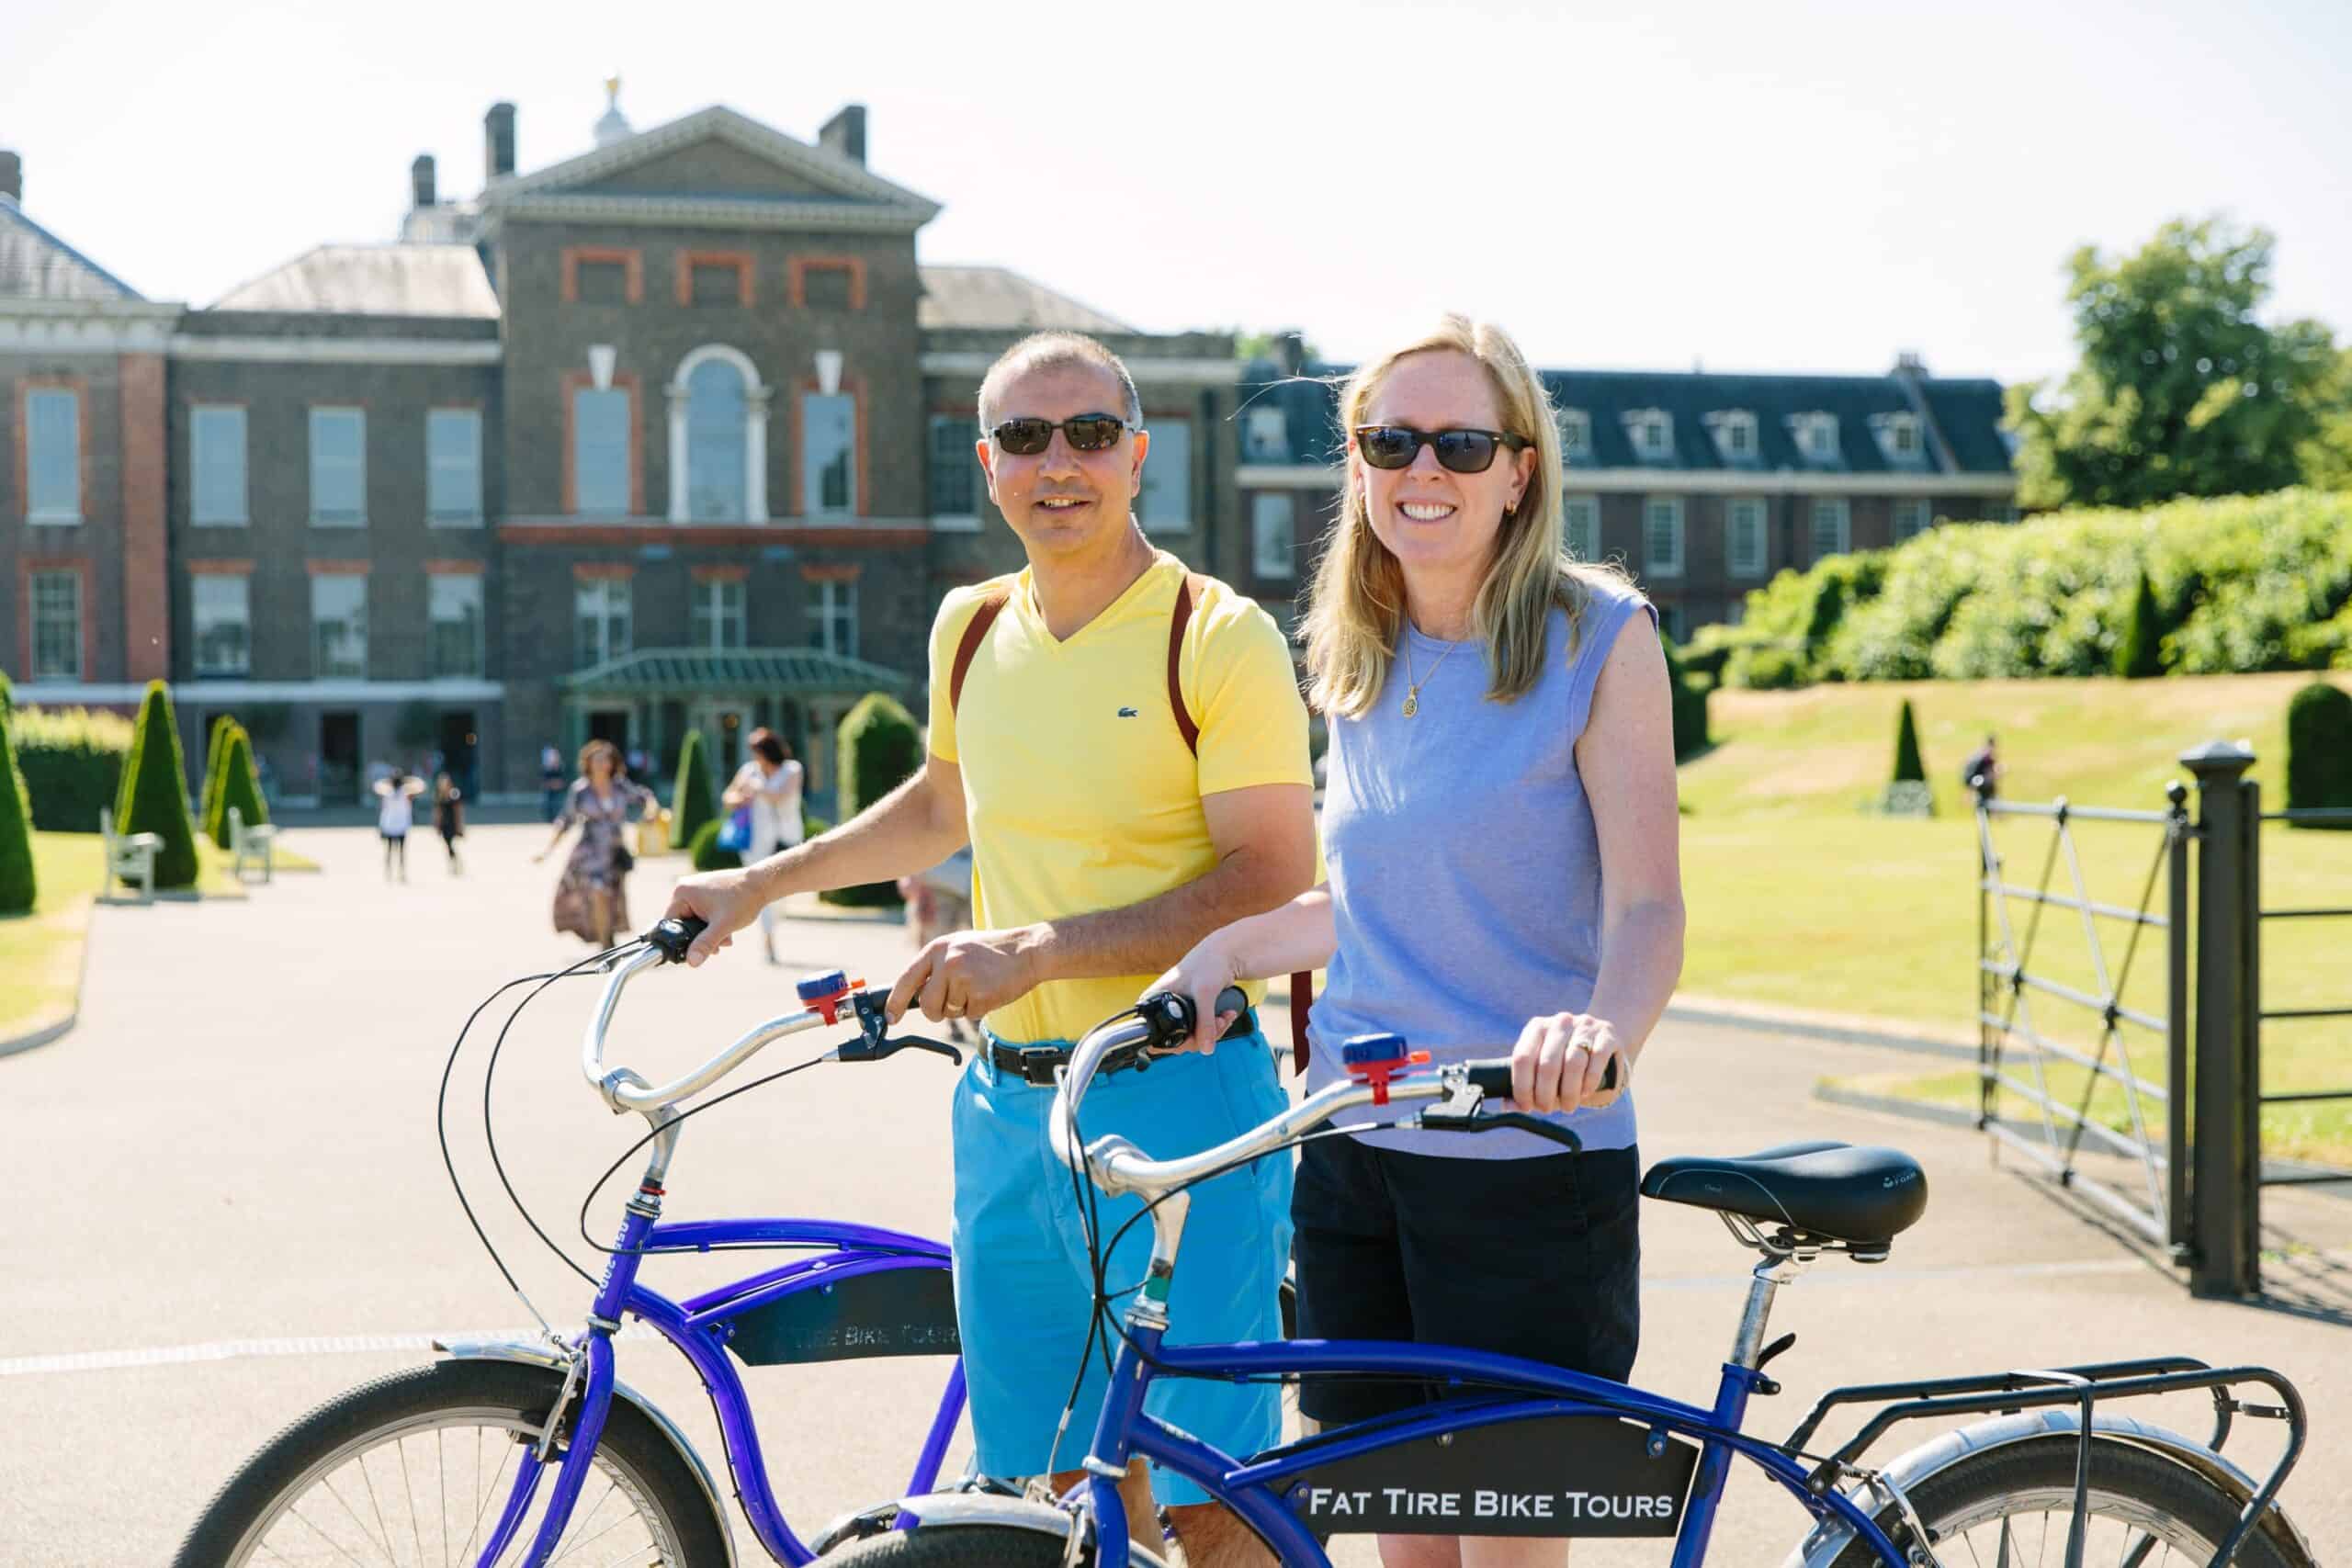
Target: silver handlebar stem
(624, 1089)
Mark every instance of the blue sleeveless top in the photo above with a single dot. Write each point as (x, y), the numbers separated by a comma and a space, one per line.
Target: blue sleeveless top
(1464, 871)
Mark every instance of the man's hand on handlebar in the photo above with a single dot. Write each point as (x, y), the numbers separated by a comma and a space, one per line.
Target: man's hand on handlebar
(725, 901)
(1198, 977)
(1562, 1062)
(968, 974)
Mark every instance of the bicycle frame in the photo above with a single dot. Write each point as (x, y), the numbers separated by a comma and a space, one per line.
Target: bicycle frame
(1247, 1487)
(699, 1327)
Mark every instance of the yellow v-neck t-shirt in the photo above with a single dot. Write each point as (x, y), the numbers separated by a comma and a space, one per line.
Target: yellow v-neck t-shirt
(1079, 792)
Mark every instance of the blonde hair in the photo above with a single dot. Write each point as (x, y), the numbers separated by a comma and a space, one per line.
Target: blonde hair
(1358, 608)
(1057, 351)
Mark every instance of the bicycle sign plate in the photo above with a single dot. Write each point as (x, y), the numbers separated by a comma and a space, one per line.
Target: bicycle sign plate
(900, 1311)
(1563, 1475)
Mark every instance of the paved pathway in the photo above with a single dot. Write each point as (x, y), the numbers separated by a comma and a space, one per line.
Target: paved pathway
(237, 1207)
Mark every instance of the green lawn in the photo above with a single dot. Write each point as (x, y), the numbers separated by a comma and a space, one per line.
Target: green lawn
(1797, 898)
(41, 953)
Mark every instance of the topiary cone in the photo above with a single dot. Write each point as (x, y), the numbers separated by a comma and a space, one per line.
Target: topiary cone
(154, 790)
(19, 885)
(1908, 766)
(239, 787)
(690, 798)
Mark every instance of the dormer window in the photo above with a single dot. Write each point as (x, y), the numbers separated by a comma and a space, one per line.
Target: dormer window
(1651, 432)
(1816, 436)
(1576, 436)
(1734, 434)
(1265, 437)
(1899, 438)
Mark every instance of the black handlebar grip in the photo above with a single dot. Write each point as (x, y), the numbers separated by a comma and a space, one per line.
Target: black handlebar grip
(1492, 1076)
(1232, 1000)
(674, 936)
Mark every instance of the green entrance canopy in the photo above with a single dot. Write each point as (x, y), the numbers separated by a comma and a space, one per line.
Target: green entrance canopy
(687, 671)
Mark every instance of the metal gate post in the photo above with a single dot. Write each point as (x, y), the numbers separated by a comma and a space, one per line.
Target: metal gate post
(2223, 1236)
(2176, 1071)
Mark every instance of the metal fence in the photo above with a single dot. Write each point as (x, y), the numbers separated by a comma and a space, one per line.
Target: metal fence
(2191, 1148)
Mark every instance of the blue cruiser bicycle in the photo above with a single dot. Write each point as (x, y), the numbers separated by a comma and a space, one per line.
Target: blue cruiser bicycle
(2053, 1471)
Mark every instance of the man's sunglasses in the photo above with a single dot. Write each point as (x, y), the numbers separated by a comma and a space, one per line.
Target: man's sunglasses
(1461, 451)
(1086, 433)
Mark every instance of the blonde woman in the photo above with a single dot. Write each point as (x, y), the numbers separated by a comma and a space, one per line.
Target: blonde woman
(1500, 831)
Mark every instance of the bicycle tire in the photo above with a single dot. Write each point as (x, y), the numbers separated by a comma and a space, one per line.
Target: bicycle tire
(968, 1546)
(2029, 1488)
(364, 1437)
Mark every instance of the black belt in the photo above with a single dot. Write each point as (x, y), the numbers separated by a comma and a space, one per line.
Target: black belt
(1036, 1065)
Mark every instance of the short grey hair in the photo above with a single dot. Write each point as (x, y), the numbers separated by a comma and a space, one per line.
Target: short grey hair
(1056, 351)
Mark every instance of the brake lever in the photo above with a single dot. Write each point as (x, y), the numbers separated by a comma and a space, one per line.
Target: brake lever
(875, 1040)
(1473, 1121)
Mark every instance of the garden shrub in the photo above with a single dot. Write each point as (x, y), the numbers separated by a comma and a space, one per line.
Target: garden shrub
(1765, 668)
(881, 748)
(707, 853)
(18, 885)
(216, 753)
(1688, 696)
(1909, 767)
(2319, 749)
(154, 790)
(2142, 654)
(690, 799)
(71, 760)
(240, 786)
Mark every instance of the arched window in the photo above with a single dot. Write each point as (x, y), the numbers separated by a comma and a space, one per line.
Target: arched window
(716, 491)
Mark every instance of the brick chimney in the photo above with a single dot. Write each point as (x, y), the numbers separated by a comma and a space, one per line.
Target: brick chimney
(419, 181)
(498, 142)
(12, 177)
(845, 133)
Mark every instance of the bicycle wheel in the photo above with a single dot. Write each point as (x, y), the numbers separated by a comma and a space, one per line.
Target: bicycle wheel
(2014, 1504)
(965, 1546)
(414, 1470)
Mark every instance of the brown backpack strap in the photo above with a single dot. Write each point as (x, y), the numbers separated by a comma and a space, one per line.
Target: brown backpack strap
(1302, 1001)
(1187, 592)
(975, 630)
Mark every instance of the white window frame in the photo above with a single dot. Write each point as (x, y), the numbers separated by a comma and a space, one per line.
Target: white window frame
(1274, 533)
(1639, 425)
(834, 617)
(1667, 509)
(318, 670)
(967, 435)
(715, 610)
(812, 483)
(1816, 436)
(465, 466)
(1582, 539)
(615, 605)
(59, 512)
(1724, 425)
(1576, 434)
(197, 585)
(1265, 434)
(357, 464)
(1752, 509)
(1913, 515)
(207, 454)
(475, 666)
(73, 643)
(1154, 509)
(1838, 512)
(1892, 430)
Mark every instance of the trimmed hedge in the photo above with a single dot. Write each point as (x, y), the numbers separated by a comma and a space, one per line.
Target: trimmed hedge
(1909, 767)
(707, 855)
(881, 748)
(154, 790)
(71, 761)
(240, 786)
(2319, 749)
(690, 800)
(18, 887)
(2142, 654)
(2241, 584)
(216, 753)
(1689, 697)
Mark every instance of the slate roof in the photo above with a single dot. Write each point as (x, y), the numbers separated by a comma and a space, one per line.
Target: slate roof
(1967, 412)
(684, 670)
(997, 298)
(37, 265)
(374, 280)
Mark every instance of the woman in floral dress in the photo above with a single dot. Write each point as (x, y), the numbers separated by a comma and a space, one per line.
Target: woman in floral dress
(591, 900)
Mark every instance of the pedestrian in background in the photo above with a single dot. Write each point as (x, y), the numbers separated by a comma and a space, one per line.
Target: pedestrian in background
(766, 788)
(591, 899)
(449, 819)
(396, 795)
(552, 784)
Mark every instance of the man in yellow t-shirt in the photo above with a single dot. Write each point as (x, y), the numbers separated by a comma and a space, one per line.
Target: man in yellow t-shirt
(1105, 842)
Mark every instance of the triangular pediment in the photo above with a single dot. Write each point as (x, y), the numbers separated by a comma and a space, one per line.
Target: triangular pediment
(713, 154)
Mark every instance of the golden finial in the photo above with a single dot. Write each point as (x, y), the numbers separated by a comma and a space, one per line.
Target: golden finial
(613, 90)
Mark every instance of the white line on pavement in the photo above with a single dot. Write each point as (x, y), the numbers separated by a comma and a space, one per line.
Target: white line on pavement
(233, 1349)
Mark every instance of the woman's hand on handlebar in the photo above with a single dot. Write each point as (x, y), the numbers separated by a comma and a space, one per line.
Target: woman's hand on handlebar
(725, 901)
(1199, 975)
(1561, 1060)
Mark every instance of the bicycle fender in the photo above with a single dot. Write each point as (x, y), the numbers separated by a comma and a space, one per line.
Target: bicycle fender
(1916, 1465)
(536, 1353)
(1008, 1512)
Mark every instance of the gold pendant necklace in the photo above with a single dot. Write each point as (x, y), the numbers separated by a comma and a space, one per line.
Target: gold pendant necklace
(1413, 687)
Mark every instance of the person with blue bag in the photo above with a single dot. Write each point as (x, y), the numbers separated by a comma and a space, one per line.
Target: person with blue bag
(763, 806)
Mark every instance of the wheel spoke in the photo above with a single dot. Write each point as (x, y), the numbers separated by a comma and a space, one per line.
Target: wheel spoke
(296, 1514)
(376, 1508)
(482, 1507)
(408, 1492)
(441, 1470)
(356, 1522)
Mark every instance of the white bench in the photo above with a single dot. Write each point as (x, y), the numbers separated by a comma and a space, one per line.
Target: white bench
(130, 858)
(255, 843)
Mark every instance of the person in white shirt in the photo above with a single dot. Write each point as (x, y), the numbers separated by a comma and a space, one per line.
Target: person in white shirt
(768, 784)
(394, 815)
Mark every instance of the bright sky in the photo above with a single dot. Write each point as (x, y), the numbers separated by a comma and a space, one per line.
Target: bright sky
(1784, 186)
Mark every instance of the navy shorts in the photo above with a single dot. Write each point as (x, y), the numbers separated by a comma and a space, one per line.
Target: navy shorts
(1537, 1258)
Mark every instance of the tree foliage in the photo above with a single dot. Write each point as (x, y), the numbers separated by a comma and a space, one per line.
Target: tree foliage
(2319, 749)
(2181, 390)
(239, 787)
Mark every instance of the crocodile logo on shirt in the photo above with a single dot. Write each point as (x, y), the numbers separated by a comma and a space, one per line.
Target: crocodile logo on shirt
(1127, 713)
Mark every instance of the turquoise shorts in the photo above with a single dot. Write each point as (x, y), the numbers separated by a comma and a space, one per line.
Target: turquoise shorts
(1023, 1288)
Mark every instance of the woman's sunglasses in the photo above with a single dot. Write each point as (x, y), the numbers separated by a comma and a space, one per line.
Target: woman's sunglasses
(1461, 451)
(1086, 433)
